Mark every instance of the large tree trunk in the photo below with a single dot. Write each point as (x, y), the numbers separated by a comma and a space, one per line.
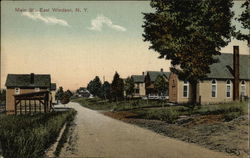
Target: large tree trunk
(194, 92)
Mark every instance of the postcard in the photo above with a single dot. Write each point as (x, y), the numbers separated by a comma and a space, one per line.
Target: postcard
(124, 79)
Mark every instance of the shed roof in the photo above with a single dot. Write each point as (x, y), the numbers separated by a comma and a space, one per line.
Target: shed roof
(24, 81)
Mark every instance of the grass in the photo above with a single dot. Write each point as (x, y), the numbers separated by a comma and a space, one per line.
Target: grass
(29, 136)
(158, 110)
(99, 104)
(169, 114)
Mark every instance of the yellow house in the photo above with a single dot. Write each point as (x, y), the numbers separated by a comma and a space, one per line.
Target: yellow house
(17, 84)
(219, 85)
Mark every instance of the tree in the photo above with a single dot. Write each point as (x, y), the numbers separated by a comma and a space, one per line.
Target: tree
(161, 85)
(105, 90)
(59, 93)
(2, 96)
(70, 94)
(244, 19)
(129, 86)
(117, 87)
(65, 98)
(94, 86)
(189, 33)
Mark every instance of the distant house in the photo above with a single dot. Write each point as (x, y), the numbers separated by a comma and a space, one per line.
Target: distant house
(83, 92)
(139, 87)
(219, 84)
(150, 80)
(53, 92)
(17, 84)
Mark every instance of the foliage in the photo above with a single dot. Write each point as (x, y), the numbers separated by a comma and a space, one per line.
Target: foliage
(59, 93)
(245, 21)
(161, 85)
(239, 107)
(2, 96)
(29, 136)
(94, 86)
(69, 93)
(168, 115)
(99, 104)
(117, 87)
(105, 90)
(231, 116)
(189, 33)
(129, 86)
(65, 98)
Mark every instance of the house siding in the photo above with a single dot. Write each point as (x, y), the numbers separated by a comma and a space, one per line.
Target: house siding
(180, 98)
(142, 90)
(204, 90)
(53, 94)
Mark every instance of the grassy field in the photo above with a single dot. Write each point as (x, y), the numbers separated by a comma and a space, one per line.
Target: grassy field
(25, 136)
(220, 127)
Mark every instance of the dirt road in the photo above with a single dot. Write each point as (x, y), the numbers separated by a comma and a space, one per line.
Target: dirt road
(96, 135)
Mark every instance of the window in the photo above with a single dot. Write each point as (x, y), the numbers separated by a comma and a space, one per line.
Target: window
(136, 90)
(243, 88)
(37, 89)
(17, 90)
(185, 89)
(214, 88)
(228, 89)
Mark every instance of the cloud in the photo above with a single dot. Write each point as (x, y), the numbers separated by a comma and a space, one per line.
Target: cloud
(47, 20)
(100, 20)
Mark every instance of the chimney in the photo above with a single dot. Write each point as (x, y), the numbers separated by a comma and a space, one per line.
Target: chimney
(236, 70)
(32, 78)
(143, 73)
(161, 69)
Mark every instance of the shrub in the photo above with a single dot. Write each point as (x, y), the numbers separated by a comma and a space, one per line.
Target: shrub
(169, 115)
(231, 116)
(241, 108)
(30, 136)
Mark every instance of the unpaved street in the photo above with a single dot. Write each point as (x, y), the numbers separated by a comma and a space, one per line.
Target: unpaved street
(96, 135)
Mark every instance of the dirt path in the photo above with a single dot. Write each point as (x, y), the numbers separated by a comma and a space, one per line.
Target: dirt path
(96, 135)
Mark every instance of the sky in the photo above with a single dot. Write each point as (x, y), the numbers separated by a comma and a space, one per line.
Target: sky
(82, 40)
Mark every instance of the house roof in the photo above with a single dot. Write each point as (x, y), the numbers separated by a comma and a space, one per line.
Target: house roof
(154, 74)
(221, 70)
(138, 78)
(24, 80)
(53, 86)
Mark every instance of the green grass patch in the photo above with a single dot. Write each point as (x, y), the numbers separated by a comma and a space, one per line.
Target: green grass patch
(25, 136)
(99, 104)
(232, 107)
(158, 110)
(170, 114)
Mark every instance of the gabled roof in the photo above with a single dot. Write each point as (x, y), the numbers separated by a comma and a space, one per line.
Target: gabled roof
(221, 70)
(154, 74)
(24, 80)
(53, 86)
(138, 78)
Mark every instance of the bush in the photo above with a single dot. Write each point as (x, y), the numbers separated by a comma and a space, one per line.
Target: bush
(168, 115)
(238, 107)
(231, 116)
(30, 136)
